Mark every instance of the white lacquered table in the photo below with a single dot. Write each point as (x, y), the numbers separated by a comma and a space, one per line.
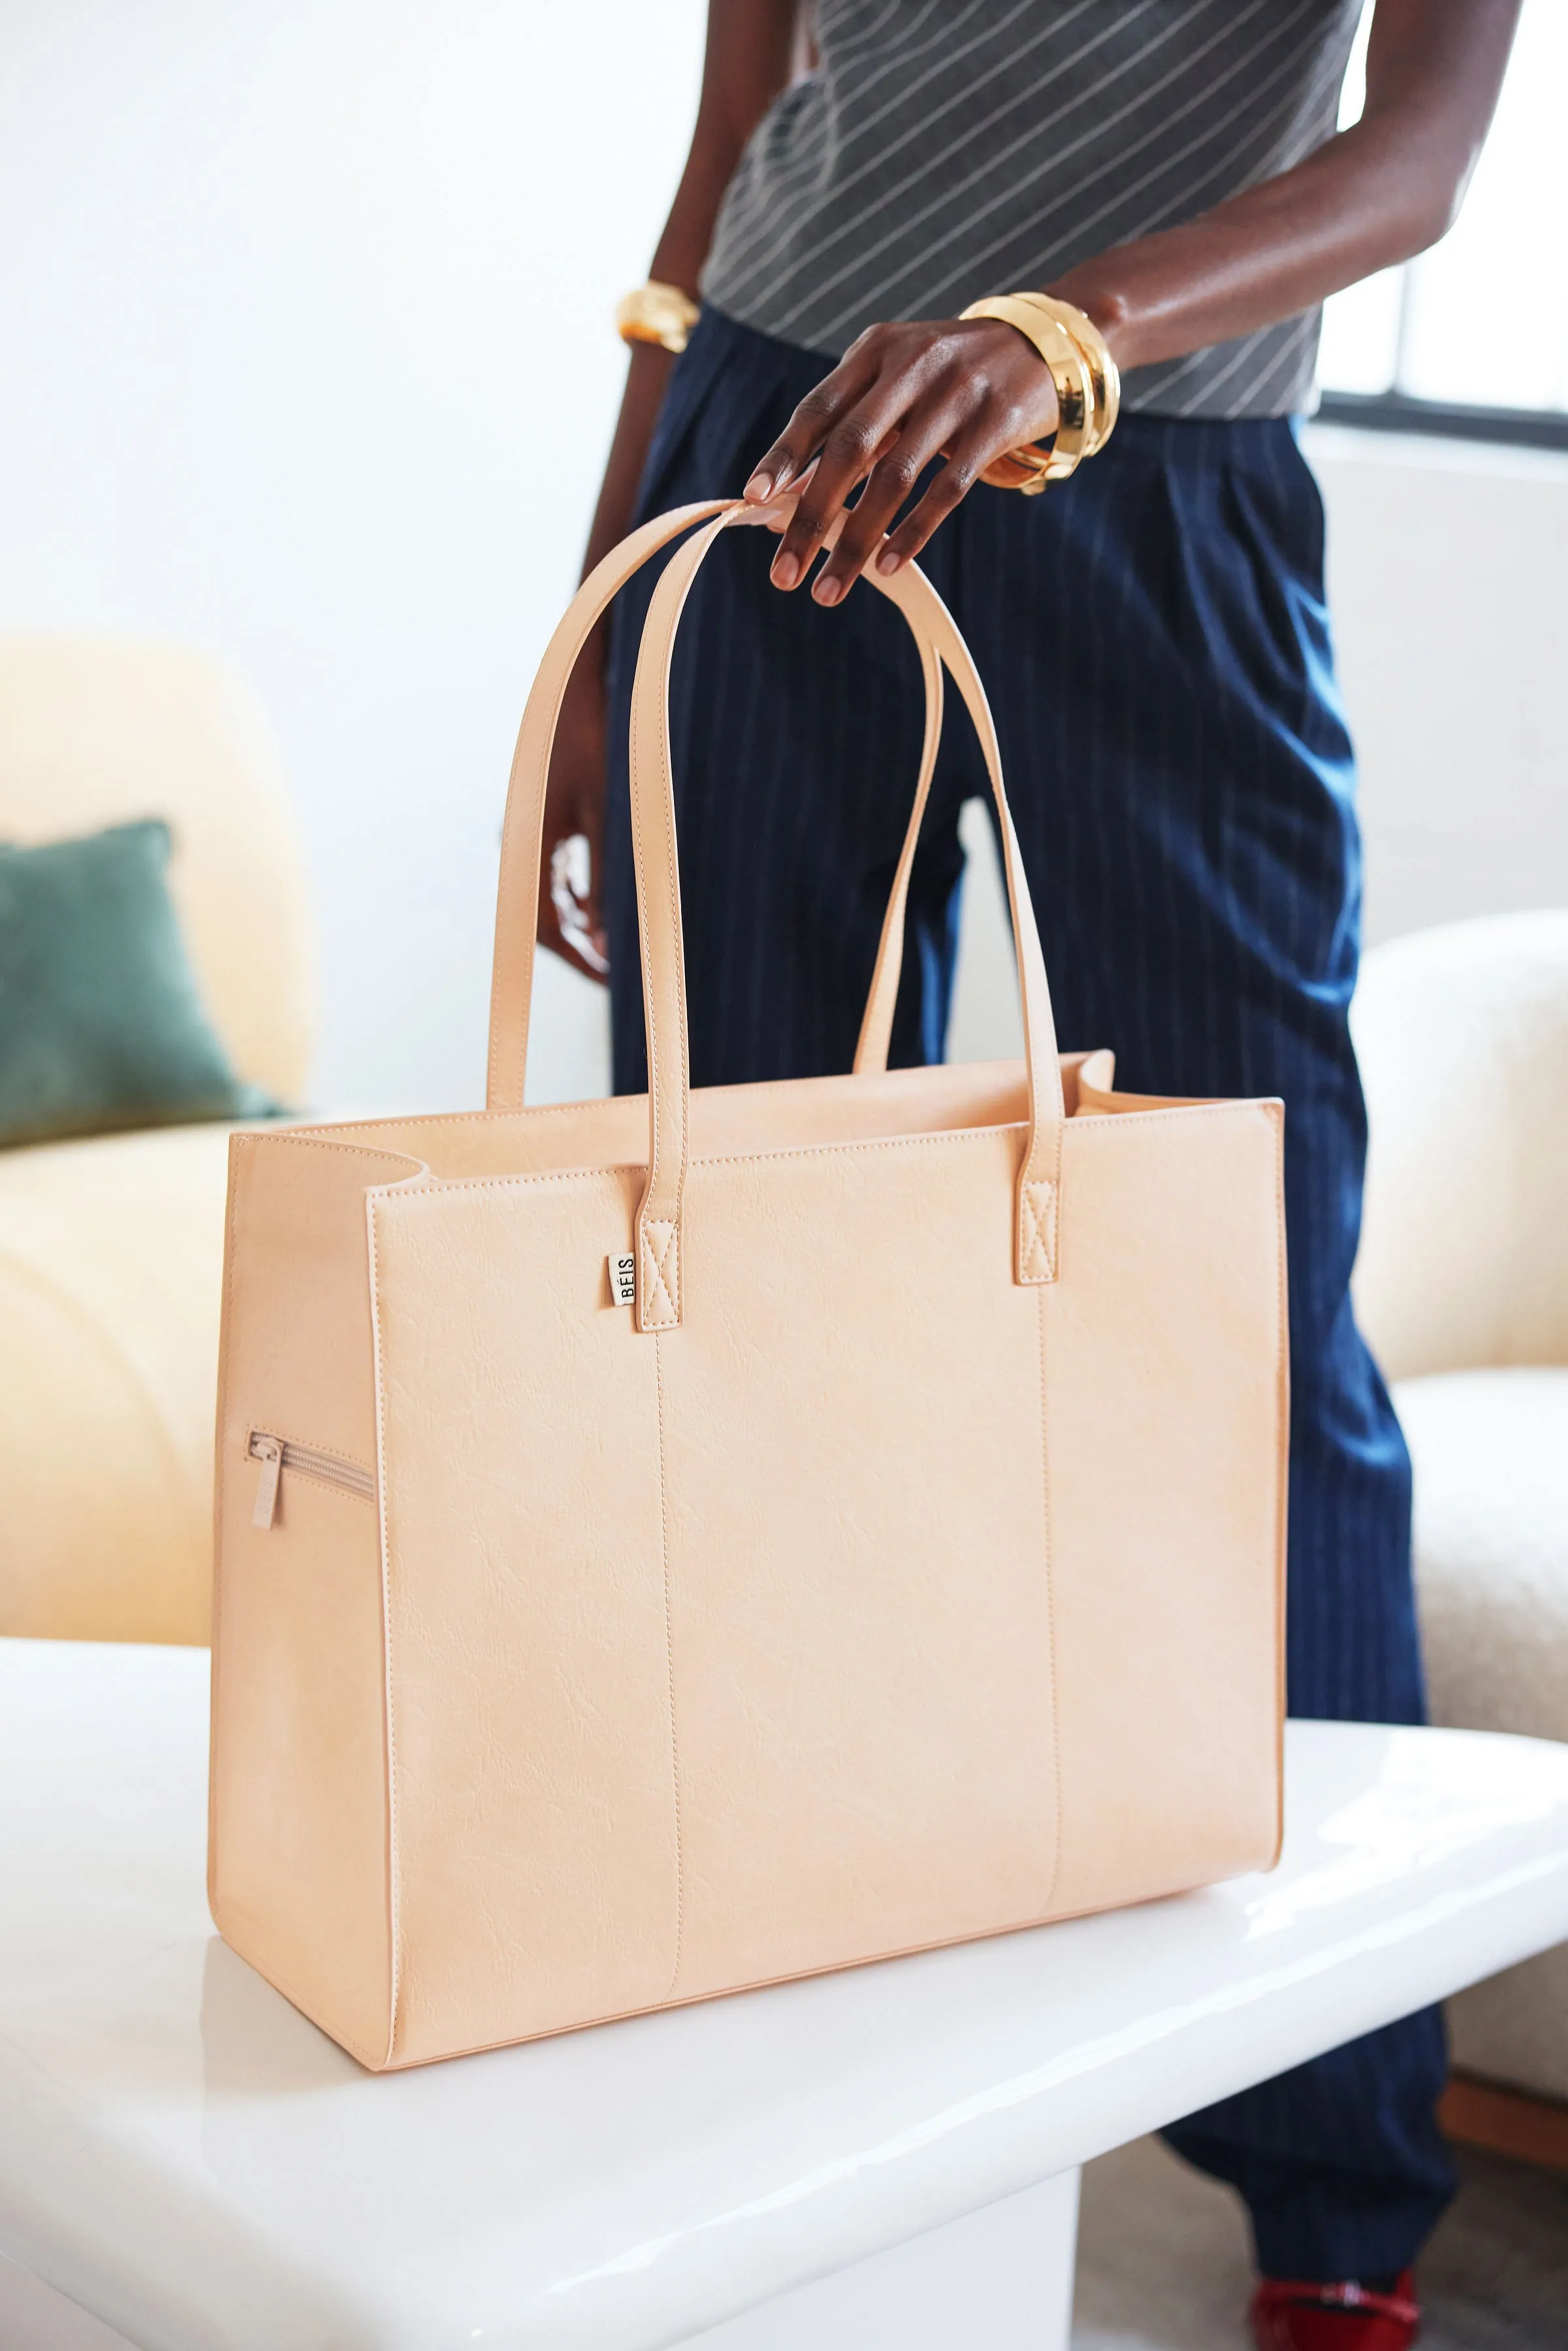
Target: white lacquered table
(883, 2156)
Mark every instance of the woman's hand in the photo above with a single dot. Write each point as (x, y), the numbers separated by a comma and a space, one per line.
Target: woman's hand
(971, 389)
(965, 388)
(570, 919)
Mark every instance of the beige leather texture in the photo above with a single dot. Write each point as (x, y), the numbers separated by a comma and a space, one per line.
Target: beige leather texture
(904, 1564)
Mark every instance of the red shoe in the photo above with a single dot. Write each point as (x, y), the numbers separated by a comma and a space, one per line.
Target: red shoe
(1290, 2316)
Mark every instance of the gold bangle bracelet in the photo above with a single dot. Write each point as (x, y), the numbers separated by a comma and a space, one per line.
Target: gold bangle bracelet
(657, 313)
(1107, 375)
(1076, 432)
(1030, 468)
(1087, 387)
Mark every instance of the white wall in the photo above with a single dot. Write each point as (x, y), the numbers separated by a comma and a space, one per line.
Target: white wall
(1448, 578)
(1448, 572)
(305, 314)
(305, 309)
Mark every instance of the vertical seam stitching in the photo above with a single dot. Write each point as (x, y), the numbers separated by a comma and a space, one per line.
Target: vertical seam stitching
(670, 1669)
(394, 1906)
(1050, 1623)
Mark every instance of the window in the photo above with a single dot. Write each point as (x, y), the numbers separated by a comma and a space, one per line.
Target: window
(1472, 337)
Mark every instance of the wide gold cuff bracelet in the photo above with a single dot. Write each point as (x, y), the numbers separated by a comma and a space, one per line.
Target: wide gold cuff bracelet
(656, 313)
(1087, 387)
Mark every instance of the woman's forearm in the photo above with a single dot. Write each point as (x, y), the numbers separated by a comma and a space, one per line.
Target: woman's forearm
(752, 51)
(647, 373)
(1370, 197)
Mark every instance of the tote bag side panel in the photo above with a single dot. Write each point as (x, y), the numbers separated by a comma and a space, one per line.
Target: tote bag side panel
(534, 1832)
(1168, 1435)
(297, 1875)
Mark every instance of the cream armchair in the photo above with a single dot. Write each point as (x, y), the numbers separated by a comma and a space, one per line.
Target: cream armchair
(111, 1248)
(1462, 1288)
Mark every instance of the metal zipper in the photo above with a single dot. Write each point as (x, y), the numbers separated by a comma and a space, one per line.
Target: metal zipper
(277, 1454)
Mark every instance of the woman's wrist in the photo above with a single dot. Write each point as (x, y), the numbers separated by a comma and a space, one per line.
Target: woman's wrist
(1091, 289)
(657, 312)
(1084, 374)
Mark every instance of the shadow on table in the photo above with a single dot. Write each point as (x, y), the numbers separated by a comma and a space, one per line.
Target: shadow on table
(254, 2043)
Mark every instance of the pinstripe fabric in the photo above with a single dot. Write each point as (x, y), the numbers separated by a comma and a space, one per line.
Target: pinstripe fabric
(942, 150)
(1153, 637)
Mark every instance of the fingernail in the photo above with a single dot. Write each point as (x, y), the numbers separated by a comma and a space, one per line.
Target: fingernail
(828, 589)
(889, 559)
(785, 571)
(760, 488)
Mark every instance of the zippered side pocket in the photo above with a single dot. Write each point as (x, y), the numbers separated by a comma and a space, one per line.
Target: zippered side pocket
(275, 1454)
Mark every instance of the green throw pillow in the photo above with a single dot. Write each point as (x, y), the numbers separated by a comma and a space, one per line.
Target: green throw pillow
(101, 1023)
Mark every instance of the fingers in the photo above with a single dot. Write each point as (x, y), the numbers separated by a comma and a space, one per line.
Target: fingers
(588, 899)
(897, 470)
(588, 958)
(560, 944)
(971, 452)
(569, 919)
(902, 395)
(876, 424)
(787, 459)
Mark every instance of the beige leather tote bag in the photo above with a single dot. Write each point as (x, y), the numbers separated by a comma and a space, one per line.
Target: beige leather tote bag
(668, 1545)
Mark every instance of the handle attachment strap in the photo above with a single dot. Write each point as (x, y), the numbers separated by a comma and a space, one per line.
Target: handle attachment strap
(660, 1219)
(659, 1253)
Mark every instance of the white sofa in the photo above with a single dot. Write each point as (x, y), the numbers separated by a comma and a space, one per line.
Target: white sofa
(1462, 1288)
(111, 1248)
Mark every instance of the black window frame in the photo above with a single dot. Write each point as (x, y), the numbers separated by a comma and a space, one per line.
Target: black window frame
(1400, 411)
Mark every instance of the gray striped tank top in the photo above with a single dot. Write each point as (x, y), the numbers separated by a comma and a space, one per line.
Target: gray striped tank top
(942, 150)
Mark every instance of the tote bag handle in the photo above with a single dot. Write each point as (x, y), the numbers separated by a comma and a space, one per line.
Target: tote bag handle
(512, 969)
(661, 1215)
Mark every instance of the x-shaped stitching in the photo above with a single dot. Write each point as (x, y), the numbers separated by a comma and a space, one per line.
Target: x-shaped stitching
(661, 1308)
(1037, 1203)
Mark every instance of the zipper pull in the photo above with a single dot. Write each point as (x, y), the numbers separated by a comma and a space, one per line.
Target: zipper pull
(269, 1453)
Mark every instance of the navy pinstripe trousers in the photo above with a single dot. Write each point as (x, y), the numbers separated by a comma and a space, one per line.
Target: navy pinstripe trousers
(1155, 643)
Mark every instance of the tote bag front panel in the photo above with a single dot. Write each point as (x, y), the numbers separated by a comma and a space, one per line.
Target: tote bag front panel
(750, 1671)
(747, 1672)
